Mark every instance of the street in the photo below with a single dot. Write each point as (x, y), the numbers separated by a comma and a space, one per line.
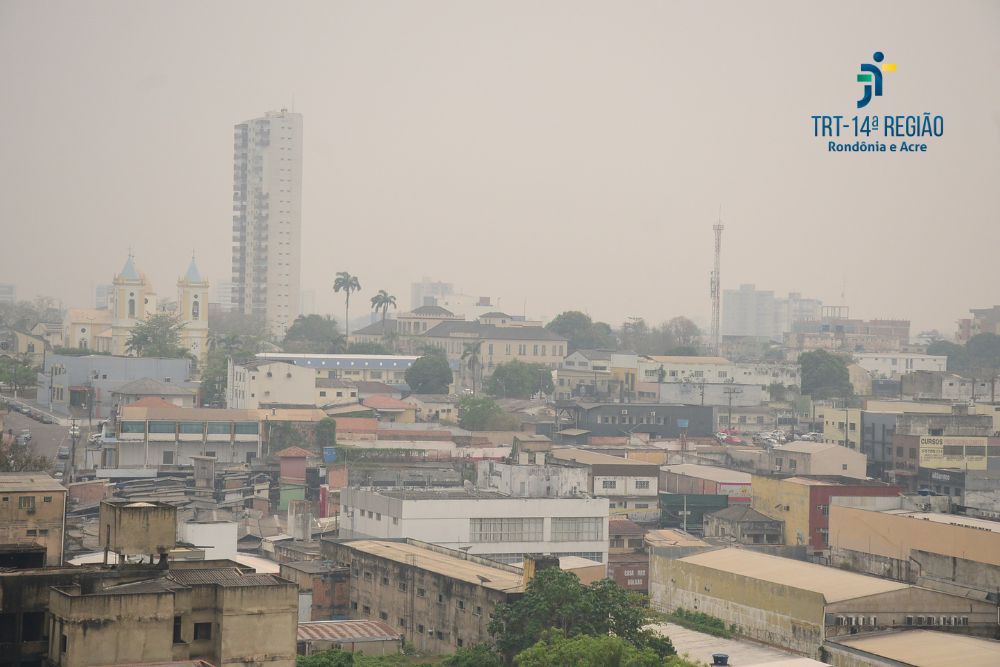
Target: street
(45, 438)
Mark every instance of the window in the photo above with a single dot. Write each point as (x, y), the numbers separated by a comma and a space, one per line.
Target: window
(385, 581)
(62, 643)
(368, 576)
(402, 622)
(202, 631)
(506, 530)
(26, 503)
(420, 629)
(162, 427)
(421, 592)
(576, 529)
(177, 630)
(247, 428)
(402, 586)
(609, 484)
(383, 615)
(479, 610)
(168, 458)
(461, 604)
(134, 427)
(642, 484)
(322, 393)
(354, 605)
(192, 428)
(366, 610)
(47, 499)
(218, 428)
(459, 642)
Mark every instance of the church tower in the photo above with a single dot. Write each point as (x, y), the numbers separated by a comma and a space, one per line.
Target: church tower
(133, 300)
(192, 308)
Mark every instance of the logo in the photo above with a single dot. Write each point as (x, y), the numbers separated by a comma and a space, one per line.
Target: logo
(871, 76)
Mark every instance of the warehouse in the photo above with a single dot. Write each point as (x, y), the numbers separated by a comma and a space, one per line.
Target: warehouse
(798, 605)
(912, 648)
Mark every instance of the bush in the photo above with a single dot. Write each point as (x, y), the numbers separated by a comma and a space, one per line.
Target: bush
(695, 620)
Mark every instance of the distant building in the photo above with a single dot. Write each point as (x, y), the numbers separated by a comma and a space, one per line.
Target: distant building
(744, 525)
(220, 296)
(33, 512)
(983, 320)
(924, 385)
(387, 368)
(103, 295)
(660, 420)
(837, 332)
(8, 293)
(483, 523)
(267, 218)
(749, 312)
(427, 292)
(691, 478)
(818, 458)
(894, 364)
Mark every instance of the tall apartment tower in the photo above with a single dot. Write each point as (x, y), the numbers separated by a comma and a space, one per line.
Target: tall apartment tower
(267, 218)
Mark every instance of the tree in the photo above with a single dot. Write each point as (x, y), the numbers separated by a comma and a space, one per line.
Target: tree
(683, 332)
(368, 348)
(430, 373)
(480, 655)
(314, 334)
(347, 284)
(824, 375)
(556, 600)
(471, 360)
(516, 379)
(556, 650)
(581, 332)
(19, 458)
(636, 336)
(157, 336)
(481, 413)
(221, 348)
(382, 301)
(16, 371)
(326, 433)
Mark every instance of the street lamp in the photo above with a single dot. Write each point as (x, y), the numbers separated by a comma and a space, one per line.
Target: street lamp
(74, 434)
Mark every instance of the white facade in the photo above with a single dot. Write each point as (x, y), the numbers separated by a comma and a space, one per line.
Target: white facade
(717, 370)
(755, 313)
(631, 486)
(267, 218)
(218, 538)
(274, 382)
(890, 364)
(531, 481)
(481, 523)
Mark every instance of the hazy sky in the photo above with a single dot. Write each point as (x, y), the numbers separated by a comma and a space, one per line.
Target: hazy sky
(573, 154)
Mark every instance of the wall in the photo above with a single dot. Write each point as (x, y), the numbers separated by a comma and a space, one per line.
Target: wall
(531, 481)
(218, 536)
(134, 529)
(42, 522)
(257, 624)
(772, 496)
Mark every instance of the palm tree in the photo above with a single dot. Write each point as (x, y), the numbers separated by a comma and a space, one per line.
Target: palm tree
(470, 355)
(346, 283)
(382, 301)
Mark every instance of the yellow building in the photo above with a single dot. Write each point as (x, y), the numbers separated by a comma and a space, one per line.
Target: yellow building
(33, 511)
(835, 419)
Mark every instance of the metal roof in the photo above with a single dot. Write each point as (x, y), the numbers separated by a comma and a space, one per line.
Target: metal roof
(926, 648)
(347, 631)
(711, 473)
(19, 482)
(228, 576)
(834, 584)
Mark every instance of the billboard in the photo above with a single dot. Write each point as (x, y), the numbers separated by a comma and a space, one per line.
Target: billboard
(966, 453)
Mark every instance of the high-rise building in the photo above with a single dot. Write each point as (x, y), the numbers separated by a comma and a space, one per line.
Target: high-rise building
(267, 218)
(220, 296)
(8, 293)
(755, 313)
(427, 292)
(103, 295)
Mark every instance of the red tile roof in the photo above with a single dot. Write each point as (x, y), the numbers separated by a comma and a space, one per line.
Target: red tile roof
(295, 452)
(356, 424)
(382, 402)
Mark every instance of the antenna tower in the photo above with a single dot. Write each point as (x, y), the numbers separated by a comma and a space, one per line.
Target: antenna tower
(716, 286)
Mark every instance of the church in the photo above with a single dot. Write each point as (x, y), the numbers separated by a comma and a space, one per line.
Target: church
(132, 299)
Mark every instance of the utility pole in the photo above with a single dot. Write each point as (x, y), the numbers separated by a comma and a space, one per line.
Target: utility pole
(730, 391)
(716, 287)
(74, 435)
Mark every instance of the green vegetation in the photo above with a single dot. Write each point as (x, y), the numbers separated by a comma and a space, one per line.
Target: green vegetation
(24, 315)
(157, 336)
(383, 301)
(678, 337)
(556, 650)
(368, 348)
(430, 373)
(472, 361)
(581, 332)
(481, 413)
(516, 379)
(824, 375)
(347, 284)
(326, 433)
(695, 620)
(19, 458)
(313, 334)
(224, 343)
(16, 371)
(979, 358)
(340, 658)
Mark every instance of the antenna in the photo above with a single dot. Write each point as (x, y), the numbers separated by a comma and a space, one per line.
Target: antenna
(716, 288)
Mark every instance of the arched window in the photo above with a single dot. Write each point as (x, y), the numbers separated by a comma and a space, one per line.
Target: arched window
(131, 307)
(195, 310)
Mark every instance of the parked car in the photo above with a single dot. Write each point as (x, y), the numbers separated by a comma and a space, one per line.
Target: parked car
(63, 452)
(25, 435)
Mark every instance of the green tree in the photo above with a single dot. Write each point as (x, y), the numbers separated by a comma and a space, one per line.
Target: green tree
(430, 373)
(481, 413)
(313, 334)
(824, 375)
(347, 284)
(383, 301)
(480, 655)
(368, 348)
(222, 347)
(326, 433)
(683, 332)
(516, 379)
(16, 371)
(20, 458)
(557, 650)
(581, 332)
(157, 336)
(957, 354)
(556, 600)
(331, 658)
(471, 359)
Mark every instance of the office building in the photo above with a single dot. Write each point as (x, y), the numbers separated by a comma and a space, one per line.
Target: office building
(267, 218)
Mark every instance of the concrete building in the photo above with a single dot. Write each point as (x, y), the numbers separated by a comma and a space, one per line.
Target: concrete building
(803, 503)
(835, 331)
(526, 480)
(136, 390)
(744, 525)
(800, 605)
(427, 292)
(717, 370)
(659, 420)
(912, 648)
(84, 386)
(630, 485)
(956, 440)
(749, 312)
(895, 364)
(387, 368)
(818, 458)
(153, 436)
(440, 599)
(940, 385)
(692, 478)
(481, 522)
(268, 381)
(267, 218)
(33, 512)
(220, 297)
(983, 320)
(368, 636)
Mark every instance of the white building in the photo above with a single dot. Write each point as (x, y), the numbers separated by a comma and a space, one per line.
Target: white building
(480, 522)
(894, 364)
(531, 481)
(263, 382)
(267, 217)
(755, 313)
(716, 370)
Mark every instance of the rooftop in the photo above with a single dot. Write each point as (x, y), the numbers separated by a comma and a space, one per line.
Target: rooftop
(432, 311)
(153, 387)
(228, 576)
(13, 482)
(441, 494)
(806, 447)
(927, 648)
(950, 519)
(347, 631)
(310, 566)
(672, 537)
(383, 402)
(588, 457)
(717, 361)
(741, 513)
(295, 452)
(442, 563)
(490, 331)
(834, 584)
(624, 527)
(712, 473)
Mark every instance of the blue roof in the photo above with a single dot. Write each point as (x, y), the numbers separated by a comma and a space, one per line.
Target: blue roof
(128, 271)
(192, 275)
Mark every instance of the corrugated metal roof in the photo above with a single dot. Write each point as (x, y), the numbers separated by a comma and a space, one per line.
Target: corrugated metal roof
(347, 631)
(711, 473)
(229, 576)
(927, 648)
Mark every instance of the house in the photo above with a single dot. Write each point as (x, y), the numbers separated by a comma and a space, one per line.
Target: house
(482, 522)
(14, 343)
(818, 458)
(439, 599)
(33, 513)
(629, 485)
(388, 409)
(799, 605)
(130, 392)
(744, 525)
(434, 407)
(369, 636)
(269, 382)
